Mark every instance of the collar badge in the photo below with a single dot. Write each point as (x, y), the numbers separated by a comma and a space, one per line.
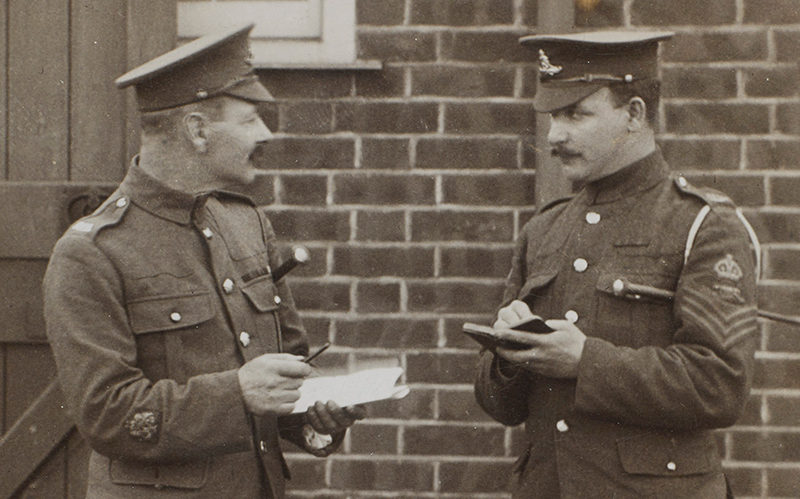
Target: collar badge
(545, 67)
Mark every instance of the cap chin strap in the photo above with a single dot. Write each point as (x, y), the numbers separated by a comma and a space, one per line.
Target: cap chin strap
(695, 228)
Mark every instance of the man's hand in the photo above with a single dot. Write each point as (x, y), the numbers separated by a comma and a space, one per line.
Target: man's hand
(329, 418)
(270, 383)
(555, 354)
(513, 313)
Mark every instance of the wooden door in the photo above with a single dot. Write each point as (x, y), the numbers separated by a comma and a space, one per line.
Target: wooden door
(66, 136)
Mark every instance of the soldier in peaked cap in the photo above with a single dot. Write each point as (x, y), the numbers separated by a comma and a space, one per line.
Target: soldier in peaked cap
(648, 283)
(179, 354)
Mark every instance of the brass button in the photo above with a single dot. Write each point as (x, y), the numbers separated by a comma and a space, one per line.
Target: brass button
(592, 218)
(562, 426)
(672, 466)
(571, 316)
(227, 286)
(580, 265)
(207, 233)
(277, 300)
(618, 287)
(244, 338)
(262, 445)
(682, 181)
(122, 202)
(175, 317)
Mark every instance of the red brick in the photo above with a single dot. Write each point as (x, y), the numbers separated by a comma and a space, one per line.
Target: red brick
(381, 262)
(777, 373)
(782, 263)
(490, 190)
(453, 440)
(773, 155)
(773, 82)
(789, 118)
(783, 482)
(475, 262)
(463, 297)
(463, 81)
(373, 439)
(289, 153)
(717, 118)
(787, 45)
(388, 82)
(530, 13)
(682, 12)
(699, 83)
(462, 12)
(530, 77)
(775, 227)
(306, 117)
(380, 226)
(318, 330)
(519, 440)
(783, 410)
(441, 367)
(376, 297)
(418, 404)
(694, 154)
(306, 84)
(744, 190)
(783, 191)
(397, 46)
(466, 153)
(383, 189)
(387, 333)
(460, 405)
(771, 12)
(744, 481)
(773, 446)
(311, 225)
(489, 117)
(384, 153)
(394, 475)
(751, 414)
(472, 226)
(303, 189)
(471, 476)
(380, 12)
(692, 46)
(325, 296)
(387, 117)
(485, 46)
(782, 337)
(608, 13)
(307, 474)
(780, 298)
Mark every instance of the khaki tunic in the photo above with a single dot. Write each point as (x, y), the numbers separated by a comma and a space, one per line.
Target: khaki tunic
(152, 304)
(656, 374)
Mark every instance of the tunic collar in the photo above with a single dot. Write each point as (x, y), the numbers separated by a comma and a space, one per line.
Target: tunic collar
(637, 177)
(157, 198)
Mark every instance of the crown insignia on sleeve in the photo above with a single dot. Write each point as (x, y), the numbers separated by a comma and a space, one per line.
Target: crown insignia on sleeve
(727, 268)
(545, 67)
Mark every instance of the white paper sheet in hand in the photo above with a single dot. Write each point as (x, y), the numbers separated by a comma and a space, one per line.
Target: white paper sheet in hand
(360, 387)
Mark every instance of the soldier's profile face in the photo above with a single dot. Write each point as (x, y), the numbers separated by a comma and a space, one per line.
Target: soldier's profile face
(587, 136)
(234, 136)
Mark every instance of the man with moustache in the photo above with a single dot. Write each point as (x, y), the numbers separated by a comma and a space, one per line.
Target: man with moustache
(178, 351)
(648, 283)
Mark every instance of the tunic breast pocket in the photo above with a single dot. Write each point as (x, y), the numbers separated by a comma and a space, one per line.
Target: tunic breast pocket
(537, 292)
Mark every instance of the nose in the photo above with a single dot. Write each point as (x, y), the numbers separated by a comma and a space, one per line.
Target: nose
(557, 133)
(263, 133)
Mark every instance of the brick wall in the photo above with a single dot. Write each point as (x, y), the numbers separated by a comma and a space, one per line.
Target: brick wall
(409, 185)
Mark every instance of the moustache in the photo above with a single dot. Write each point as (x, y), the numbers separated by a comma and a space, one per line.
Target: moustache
(558, 152)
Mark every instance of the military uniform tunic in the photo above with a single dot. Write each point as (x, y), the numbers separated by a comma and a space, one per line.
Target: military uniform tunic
(657, 373)
(152, 304)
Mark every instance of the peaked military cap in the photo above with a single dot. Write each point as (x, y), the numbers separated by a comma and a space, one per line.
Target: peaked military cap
(573, 66)
(212, 65)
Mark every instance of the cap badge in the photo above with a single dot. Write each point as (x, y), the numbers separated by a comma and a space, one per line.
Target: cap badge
(727, 268)
(545, 67)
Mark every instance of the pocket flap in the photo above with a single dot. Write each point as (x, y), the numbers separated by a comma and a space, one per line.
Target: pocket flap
(165, 313)
(191, 475)
(262, 293)
(662, 455)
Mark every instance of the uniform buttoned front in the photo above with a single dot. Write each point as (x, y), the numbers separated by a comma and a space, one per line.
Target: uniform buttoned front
(656, 374)
(179, 324)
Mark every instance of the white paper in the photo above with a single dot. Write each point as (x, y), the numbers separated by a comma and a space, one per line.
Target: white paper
(360, 387)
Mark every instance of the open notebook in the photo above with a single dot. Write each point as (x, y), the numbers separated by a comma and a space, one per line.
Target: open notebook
(360, 387)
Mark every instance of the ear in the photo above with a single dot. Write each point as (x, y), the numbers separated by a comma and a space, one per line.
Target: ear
(637, 114)
(195, 126)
